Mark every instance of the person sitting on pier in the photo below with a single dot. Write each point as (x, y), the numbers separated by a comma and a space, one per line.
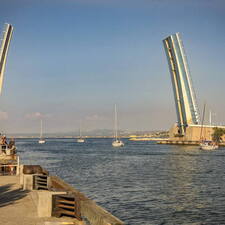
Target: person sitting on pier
(11, 143)
(1, 139)
(4, 142)
(12, 146)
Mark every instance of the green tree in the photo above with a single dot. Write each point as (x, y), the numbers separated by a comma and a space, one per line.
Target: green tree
(218, 133)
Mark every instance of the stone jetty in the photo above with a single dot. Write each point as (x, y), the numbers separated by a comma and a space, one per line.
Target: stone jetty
(33, 197)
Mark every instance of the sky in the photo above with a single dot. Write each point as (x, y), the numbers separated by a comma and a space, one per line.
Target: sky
(70, 61)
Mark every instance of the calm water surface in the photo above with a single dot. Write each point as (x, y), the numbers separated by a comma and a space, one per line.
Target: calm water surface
(142, 183)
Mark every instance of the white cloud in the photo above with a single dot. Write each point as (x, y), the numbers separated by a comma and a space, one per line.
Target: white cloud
(3, 115)
(36, 115)
(95, 117)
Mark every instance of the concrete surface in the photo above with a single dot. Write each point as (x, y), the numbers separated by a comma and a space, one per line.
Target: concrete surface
(17, 207)
(28, 180)
(45, 202)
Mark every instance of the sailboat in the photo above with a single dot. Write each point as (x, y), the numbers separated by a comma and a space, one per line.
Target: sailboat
(80, 139)
(206, 144)
(41, 140)
(117, 142)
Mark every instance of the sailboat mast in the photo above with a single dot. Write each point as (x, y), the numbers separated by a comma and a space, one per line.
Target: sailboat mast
(80, 128)
(203, 116)
(210, 118)
(41, 130)
(115, 125)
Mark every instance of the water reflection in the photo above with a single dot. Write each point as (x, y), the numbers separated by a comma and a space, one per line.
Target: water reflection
(188, 169)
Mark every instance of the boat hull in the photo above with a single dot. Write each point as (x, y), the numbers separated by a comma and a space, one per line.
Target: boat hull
(117, 144)
(41, 141)
(208, 146)
(80, 141)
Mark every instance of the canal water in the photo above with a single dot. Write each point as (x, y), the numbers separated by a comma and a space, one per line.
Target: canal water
(142, 183)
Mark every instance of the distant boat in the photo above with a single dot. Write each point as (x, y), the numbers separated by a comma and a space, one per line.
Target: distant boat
(206, 144)
(117, 142)
(80, 139)
(41, 140)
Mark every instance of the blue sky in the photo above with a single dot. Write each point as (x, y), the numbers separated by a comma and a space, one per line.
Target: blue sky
(72, 60)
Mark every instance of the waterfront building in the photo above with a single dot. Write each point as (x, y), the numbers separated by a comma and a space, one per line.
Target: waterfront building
(4, 47)
(195, 133)
(184, 95)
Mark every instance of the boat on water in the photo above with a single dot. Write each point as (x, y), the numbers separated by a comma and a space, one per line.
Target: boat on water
(206, 144)
(80, 139)
(41, 139)
(117, 142)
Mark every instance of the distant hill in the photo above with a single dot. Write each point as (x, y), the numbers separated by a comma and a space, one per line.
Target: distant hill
(91, 133)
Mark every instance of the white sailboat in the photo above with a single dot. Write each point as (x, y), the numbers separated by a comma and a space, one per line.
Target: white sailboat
(80, 139)
(117, 142)
(206, 144)
(41, 140)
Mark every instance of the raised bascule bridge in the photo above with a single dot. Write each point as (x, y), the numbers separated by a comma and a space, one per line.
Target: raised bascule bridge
(5, 42)
(188, 129)
(8, 158)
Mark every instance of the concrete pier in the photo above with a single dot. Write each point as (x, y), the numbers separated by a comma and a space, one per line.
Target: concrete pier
(181, 142)
(34, 197)
(178, 142)
(18, 207)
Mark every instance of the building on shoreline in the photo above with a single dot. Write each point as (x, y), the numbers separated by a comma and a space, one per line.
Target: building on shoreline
(194, 133)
